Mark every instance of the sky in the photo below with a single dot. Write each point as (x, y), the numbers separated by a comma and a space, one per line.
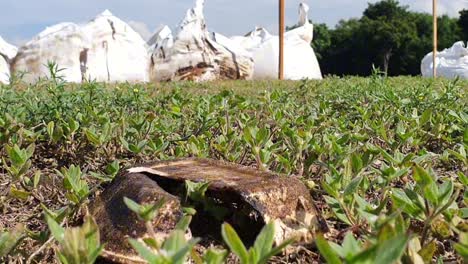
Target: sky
(22, 19)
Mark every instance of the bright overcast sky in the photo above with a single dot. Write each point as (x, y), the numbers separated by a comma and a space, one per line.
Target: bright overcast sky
(20, 20)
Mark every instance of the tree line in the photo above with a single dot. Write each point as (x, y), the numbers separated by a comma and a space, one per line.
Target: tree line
(388, 36)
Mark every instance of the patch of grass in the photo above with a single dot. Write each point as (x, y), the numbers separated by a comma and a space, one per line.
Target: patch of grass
(385, 158)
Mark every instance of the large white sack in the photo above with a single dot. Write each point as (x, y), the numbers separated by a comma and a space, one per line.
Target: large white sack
(194, 55)
(4, 71)
(450, 63)
(117, 52)
(65, 44)
(7, 54)
(300, 61)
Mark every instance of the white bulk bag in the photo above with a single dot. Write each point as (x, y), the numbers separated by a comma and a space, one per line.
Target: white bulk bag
(117, 52)
(195, 55)
(450, 63)
(7, 54)
(64, 44)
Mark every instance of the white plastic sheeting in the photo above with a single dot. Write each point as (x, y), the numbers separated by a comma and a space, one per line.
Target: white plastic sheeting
(106, 49)
(300, 61)
(195, 55)
(253, 39)
(117, 52)
(162, 38)
(7, 54)
(450, 63)
(64, 44)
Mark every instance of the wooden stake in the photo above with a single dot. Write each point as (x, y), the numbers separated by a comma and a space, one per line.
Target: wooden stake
(434, 51)
(281, 40)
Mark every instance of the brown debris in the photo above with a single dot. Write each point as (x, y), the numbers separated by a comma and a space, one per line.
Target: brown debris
(252, 198)
(117, 223)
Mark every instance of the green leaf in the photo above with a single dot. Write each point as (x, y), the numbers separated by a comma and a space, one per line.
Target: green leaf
(16, 155)
(428, 251)
(356, 163)
(234, 243)
(364, 257)
(57, 231)
(184, 223)
(144, 251)
(113, 168)
(9, 240)
(50, 128)
(175, 241)
(145, 212)
(426, 183)
(408, 205)
(132, 205)
(265, 239)
(337, 209)
(353, 186)
(37, 178)
(276, 250)
(464, 213)
(421, 176)
(463, 178)
(181, 256)
(19, 194)
(399, 174)
(445, 192)
(462, 246)
(326, 251)
(426, 117)
(73, 125)
(465, 136)
(350, 245)
(150, 212)
(213, 256)
(92, 137)
(391, 250)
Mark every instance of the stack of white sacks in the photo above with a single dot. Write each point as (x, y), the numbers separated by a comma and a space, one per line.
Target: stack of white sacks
(194, 55)
(7, 54)
(450, 63)
(300, 61)
(107, 49)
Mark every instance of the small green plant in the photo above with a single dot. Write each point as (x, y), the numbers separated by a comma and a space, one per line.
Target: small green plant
(174, 249)
(462, 246)
(111, 170)
(19, 160)
(259, 141)
(10, 239)
(78, 245)
(75, 184)
(196, 192)
(213, 256)
(262, 249)
(357, 141)
(145, 212)
(388, 249)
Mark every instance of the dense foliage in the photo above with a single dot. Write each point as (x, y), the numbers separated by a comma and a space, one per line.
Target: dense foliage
(387, 36)
(385, 159)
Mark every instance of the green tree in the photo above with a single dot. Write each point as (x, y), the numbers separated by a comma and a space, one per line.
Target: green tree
(388, 36)
(463, 24)
(388, 29)
(322, 40)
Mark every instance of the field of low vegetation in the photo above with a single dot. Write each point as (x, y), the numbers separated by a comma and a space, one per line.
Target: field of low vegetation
(384, 158)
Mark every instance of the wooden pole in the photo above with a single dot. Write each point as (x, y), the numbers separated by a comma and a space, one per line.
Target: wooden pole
(434, 25)
(281, 40)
